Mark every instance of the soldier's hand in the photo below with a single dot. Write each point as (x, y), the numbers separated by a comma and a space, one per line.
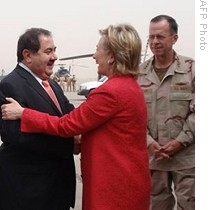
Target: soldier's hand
(172, 147)
(156, 149)
(162, 156)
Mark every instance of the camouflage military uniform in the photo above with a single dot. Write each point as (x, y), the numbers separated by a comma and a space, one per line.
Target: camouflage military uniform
(170, 105)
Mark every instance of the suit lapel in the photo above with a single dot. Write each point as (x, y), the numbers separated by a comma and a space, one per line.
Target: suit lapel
(33, 83)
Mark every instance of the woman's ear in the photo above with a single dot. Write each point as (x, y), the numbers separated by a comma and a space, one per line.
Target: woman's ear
(111, 60)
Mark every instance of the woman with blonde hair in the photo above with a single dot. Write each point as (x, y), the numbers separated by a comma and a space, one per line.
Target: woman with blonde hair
(113, 124)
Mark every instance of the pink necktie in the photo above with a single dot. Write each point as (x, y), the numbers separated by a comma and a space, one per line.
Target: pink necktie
(50, 92)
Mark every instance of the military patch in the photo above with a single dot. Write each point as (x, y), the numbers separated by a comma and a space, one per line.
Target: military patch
(181, 87)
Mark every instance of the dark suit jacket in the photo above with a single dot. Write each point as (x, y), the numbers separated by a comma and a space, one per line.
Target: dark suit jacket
(37, 171)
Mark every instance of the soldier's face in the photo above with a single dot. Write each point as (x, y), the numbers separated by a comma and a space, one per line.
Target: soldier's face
(161, 40)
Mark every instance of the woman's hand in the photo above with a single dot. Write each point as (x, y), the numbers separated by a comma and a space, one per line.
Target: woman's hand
(77, 144)
(11, 110)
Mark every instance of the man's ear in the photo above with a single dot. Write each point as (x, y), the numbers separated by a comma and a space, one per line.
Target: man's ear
(27, 56)
(175, 38)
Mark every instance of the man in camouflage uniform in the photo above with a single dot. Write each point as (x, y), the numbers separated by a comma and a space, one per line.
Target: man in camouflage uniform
(167, 80)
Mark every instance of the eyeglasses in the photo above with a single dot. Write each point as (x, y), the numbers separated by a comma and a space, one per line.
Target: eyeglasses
(158, 37)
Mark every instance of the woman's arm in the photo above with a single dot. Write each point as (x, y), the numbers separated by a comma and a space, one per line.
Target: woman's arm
(97, 109)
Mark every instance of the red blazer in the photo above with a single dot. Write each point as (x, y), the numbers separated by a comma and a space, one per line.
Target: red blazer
(114, 158)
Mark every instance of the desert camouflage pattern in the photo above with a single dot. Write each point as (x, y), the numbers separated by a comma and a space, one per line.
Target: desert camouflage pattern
(171, 115)
(163, 199)
(171, 110)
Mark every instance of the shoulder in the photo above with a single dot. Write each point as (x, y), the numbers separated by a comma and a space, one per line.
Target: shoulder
(117, 82)
(12, 77)
(185, 64)
(120, 87)
(185, 60)
(146, 65)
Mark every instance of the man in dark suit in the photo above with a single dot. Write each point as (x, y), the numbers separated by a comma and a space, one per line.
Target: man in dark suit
(37, 171)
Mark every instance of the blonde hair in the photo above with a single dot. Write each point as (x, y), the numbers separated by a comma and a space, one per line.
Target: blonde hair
(124, 42)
